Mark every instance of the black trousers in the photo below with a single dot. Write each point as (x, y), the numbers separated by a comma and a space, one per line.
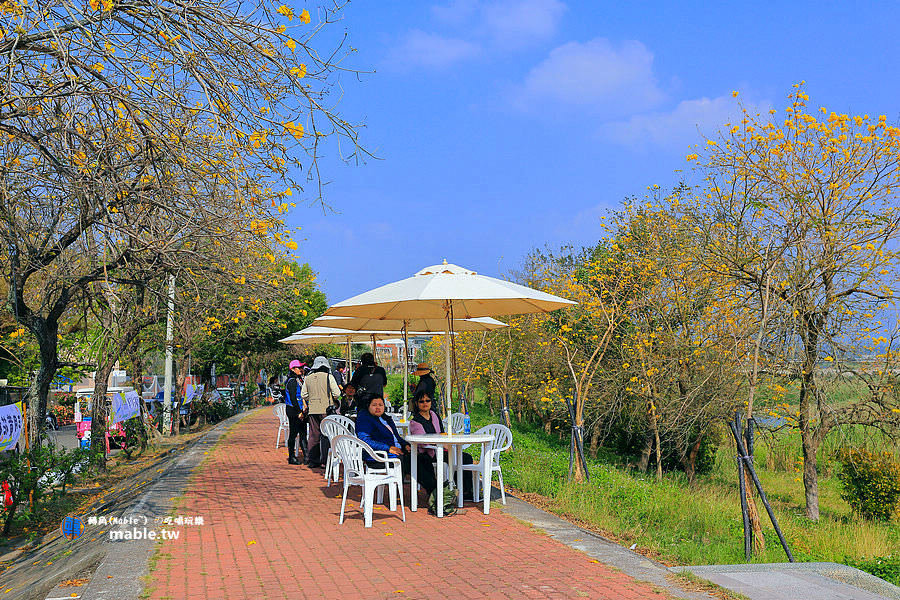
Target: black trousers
(467, 475)
(425, 470)
(297, 426)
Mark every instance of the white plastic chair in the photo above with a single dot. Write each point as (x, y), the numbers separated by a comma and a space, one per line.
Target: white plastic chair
(349, 450)
(331, 428)
(457, 422)
(347, 422)
(502, 441)
(284, 425)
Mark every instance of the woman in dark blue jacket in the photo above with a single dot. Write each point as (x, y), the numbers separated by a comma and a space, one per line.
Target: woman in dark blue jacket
(380, 433)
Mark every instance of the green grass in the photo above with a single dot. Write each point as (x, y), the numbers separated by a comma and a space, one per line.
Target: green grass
(698, 524)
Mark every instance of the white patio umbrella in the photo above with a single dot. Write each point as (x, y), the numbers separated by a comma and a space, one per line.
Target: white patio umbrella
(447, 292)
(430, 325)
(312, 335)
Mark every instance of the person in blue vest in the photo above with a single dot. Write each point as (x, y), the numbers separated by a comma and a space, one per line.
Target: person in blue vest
(379, 431)
(296, 411)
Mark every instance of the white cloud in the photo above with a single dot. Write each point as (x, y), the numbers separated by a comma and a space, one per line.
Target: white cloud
(421, 49)
(681, 127)
(516, 23)
(456, 12)
(598, 76)
(505, 23)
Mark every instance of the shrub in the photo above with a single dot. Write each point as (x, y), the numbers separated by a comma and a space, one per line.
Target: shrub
(33, 473)
(870, 481)
(886, 567)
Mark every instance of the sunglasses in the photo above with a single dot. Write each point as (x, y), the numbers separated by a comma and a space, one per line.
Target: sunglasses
(424, 401)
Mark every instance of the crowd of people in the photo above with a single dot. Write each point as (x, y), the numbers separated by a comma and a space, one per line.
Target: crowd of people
(314, 392)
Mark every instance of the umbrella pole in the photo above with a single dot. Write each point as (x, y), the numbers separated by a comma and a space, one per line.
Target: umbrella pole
(405, 370)
(448, 378)
(349, 364)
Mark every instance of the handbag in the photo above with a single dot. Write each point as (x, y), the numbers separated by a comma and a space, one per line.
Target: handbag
(451, 496)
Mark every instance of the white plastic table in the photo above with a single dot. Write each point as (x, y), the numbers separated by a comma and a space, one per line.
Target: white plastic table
(401, 425)
(456, 441)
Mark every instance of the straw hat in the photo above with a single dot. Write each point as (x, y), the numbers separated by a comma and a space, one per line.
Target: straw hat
(422, 369)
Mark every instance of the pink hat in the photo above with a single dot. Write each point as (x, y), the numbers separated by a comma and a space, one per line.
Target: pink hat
(295, 363)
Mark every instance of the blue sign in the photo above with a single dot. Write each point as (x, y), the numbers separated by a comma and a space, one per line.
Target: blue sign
(72, 527)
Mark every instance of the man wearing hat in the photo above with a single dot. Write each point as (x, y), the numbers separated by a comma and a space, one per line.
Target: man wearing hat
(295, 409)
(426, 381)
(318, 392)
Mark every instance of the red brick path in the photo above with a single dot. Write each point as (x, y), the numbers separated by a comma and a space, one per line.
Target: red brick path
(271, 531)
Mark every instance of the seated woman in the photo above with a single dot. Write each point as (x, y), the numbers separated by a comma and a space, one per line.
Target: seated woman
(424, 420)
(380, 433)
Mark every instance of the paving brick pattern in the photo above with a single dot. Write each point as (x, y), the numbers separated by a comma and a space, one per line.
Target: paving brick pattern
(271, 531)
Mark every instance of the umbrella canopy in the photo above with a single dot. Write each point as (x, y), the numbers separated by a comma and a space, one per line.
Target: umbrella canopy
(430, 293)
(430, 325)
(433, 325)
(449, 292)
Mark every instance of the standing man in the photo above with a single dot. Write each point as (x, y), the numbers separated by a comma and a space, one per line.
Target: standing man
(295, 411)
(426, 384)
(318, 392)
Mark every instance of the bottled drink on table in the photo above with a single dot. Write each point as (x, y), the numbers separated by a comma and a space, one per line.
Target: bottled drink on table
(467, 424)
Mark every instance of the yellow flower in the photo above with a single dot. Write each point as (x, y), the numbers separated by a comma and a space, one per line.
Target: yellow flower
(299, 72)
(98, 67)
(304, 17)
(294, 130)
(290, 44)
(287, 11)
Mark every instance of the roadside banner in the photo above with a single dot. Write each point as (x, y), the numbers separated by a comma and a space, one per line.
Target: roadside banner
(125, 407)
(11, 423)
(191, 392)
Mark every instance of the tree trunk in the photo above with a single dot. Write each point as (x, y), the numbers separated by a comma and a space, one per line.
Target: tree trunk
(644, 462)
(759, 542)
(689, 461)
(45, 330)
(654, 429)
(808, 435)
(579, 473)
(595, 439)
(98, 409)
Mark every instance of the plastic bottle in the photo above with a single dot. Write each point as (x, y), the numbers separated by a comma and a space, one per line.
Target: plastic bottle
(467, 424)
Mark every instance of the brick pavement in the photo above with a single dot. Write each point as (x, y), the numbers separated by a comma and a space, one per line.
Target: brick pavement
(271, 531)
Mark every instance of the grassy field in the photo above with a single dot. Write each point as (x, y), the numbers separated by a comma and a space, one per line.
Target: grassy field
(700, 524)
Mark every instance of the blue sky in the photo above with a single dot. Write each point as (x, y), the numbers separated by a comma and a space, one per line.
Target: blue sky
(501, 126)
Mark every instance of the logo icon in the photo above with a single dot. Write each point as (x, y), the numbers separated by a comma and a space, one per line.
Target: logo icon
(72, 527)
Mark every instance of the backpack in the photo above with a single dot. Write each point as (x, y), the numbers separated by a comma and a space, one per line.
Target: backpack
(451, 496)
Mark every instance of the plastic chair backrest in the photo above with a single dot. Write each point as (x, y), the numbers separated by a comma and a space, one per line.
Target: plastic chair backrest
(502, 439)
(280, 411)
(349, 450)
(331, 428)
(347, 422)
(457, 422)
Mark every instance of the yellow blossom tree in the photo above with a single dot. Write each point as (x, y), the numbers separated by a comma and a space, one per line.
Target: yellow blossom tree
(804, 205)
